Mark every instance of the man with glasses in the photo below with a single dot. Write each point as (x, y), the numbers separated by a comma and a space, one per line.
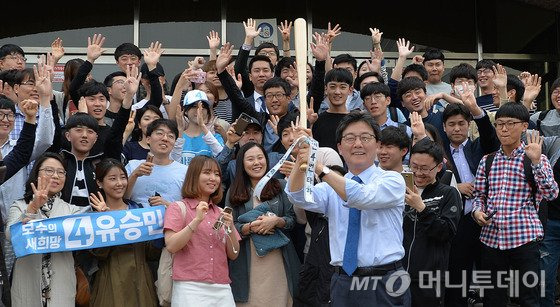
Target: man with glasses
(432, 213)
(485, 76)
(12, 57)
(114, 83)
(364, 210)
(548, 122)
(506, 205)
(276, 94)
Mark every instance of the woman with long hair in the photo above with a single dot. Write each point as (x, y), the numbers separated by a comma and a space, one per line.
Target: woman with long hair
(43, 279)
(261, 277)
(124, 277)
(200, 249)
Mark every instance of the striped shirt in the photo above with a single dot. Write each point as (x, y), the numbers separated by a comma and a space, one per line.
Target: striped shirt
(509, 194)
(223, 110)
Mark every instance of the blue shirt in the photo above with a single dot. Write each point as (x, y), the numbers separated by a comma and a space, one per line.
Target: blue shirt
(195, 146)
(353, 102)
(462, 165)
(381, 199)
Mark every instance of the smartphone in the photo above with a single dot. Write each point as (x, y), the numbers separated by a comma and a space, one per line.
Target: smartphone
(200, 77)
(242, 123)
(228, 210)
(156, 194)
(150, 157)
(489, 216)
(408, 179)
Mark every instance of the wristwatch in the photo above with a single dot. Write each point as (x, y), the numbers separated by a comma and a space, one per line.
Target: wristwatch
(325, 172)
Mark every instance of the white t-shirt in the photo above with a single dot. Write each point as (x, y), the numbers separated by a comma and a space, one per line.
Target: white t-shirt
(166, 180)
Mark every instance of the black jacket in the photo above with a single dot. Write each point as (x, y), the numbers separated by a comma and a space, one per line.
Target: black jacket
(428, 234)
(21, 153)
(112, 149)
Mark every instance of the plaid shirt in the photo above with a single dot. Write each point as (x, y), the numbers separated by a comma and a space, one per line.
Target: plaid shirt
(516, 221)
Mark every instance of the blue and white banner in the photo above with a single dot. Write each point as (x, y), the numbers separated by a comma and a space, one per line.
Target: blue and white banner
(86, 231)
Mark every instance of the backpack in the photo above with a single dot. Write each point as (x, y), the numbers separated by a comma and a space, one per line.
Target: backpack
(528, 170)
(164, 282)
(393, 114)
(542, 115)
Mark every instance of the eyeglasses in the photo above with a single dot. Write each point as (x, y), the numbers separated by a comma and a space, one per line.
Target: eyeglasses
(416, 92)
(267, 53)
(28, 82)
(423, 170)
(119, 82)
(375, 97)
(365, 138)
(277, 96)
(16, 57)
(508, 125)
(50, 171)
(484, 71)
(9, 116)
(161, 134)
(556, 92)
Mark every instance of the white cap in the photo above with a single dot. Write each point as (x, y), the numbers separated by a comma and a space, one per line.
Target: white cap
(195, 96)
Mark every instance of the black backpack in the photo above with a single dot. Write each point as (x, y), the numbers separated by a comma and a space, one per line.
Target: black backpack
(528, 170)
(542, 115)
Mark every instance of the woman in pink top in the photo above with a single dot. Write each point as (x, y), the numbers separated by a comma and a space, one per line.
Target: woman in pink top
(200, 260)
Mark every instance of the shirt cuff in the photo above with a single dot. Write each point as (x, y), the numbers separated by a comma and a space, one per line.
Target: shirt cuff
(481, 115)
(246, 47)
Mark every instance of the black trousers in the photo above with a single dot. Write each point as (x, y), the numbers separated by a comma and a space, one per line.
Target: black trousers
(522, 260)
(352, 291)
(465, 251)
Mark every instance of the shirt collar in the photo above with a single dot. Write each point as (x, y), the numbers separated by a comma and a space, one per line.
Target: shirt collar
(192, 203)
(516, 152)
(367, 173)
(461, 147)
(389, 122)
(256, 96)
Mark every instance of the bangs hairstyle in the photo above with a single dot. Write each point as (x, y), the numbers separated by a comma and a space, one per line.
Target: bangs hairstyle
(136, 134)
(463, 70)
(240, 190)
(9, 77)
(285, 62)
(410, 84)
(22, 74)
(190, 187)
(513, 83)
(267, 45)
(7, 104)
(338, 75)
(103, 167)
(127, 48)
(417, 68)
(93, 88)
(34, 175)
(278, 82)
(394, 136)
(453, 109)
(82, 120)
(109, 79)
(209, 66)
(429, 147)
(555, 85)
(433, 54)
(171, 125)
(486, 64)
(8, 49)
(514, 110)
(346, 58)
(375, 88)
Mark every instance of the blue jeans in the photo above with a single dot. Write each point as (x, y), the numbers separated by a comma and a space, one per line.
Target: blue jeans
(550, 255)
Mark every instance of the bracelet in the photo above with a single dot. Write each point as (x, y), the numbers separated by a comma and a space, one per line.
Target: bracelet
(286, 50)
(189, 225)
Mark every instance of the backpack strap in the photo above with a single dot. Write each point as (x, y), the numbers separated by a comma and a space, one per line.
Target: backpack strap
(183, 208)
(542, 115)
(487, 167)
(393, 114)
(528, 170)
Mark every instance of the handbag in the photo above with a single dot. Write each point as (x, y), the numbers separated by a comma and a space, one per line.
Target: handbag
(83, 293)
(164, 282)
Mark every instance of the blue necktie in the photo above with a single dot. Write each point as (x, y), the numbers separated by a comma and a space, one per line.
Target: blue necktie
(263, 104)
(350, 258)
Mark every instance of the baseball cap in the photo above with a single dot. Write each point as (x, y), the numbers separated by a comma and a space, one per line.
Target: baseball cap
(158, 71)
(194, 96)
(255, 122)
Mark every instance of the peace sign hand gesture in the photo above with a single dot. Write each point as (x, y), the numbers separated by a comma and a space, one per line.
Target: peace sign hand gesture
(533, 149)
(98, 202)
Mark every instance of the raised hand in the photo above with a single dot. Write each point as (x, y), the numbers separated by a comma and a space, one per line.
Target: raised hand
(414, 200)
(431, 99)
(251, 30)
(404, 48)
(213, 40)
(232, 137)
(285, 28)
(200, 118)
(332, 33)
(43, 82)
(152, 54)
(180, 120)
(98, 202)
(40, 194)
(158, 200)
(417, 59)
(82, 105)
(130, 124)
(238, 79)
(500, 76)
(273, 122)
(320, 48)
(375, 36)
(95, 47)
(417, 126)
(467, 95)
(196, 63)
(131, 84)
(311, 115)
(532, 87)
(224, 58)
(144, 169)
(533, 149)
(57, 50)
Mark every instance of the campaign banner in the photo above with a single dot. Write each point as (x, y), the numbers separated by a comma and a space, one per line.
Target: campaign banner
(87, 231)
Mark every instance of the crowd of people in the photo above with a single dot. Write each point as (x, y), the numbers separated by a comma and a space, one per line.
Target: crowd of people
(419, 184)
